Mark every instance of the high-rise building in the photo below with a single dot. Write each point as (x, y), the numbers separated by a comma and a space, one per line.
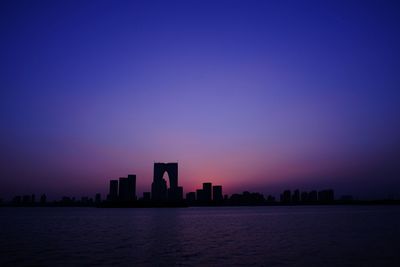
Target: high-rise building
(217, 193)
(200, 195)
(159, 189)
(207, 191)
(113, 193)
(123, 191)
(131, 187)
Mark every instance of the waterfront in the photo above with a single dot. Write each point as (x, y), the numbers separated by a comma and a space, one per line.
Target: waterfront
(221, 236)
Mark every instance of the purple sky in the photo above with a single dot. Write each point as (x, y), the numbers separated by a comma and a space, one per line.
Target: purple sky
(253, 95)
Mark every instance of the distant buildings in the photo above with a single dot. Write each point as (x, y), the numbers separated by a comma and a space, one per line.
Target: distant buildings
(286, 196)
(97, 198)
(200, 195)
(127, 188)
(122, 192)
(326, 196)
(217, 193)
(323, 196)
(113, 193)
(207, 192)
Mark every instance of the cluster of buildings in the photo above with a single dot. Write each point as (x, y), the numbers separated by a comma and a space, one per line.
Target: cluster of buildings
(323, 196)
(124, 189)
(207, 194)
(122, 192)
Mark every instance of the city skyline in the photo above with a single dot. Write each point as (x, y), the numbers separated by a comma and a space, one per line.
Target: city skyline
(262, 96)
(166, 192)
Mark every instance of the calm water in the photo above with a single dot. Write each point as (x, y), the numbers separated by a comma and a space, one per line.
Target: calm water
(259, 236)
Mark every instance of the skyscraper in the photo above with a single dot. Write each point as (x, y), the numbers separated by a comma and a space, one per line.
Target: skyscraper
(123, 191)
(217, 193)
(200, 195)
(113, 194)
(207, 191)
(131, 187)
(159, 190)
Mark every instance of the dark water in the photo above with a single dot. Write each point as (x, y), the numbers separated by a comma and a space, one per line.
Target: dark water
(258, 236)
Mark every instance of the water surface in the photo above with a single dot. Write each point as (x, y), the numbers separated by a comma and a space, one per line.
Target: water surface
(219, 236)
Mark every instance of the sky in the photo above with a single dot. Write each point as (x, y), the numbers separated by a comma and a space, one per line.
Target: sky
(253, 95)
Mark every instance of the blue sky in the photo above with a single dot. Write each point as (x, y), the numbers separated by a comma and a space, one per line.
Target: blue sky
(254, 95)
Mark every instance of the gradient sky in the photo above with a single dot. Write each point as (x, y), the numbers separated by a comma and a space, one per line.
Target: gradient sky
(253, 95)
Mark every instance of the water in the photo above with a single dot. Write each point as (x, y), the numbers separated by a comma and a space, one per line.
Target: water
(258, 236)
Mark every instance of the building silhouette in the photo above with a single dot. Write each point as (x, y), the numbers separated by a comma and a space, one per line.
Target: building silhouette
(113, 193)
(127, 188)
(207, 193)
(123, 191)
(131, 187)
(217, 193)
(200, 195)
(159, 190)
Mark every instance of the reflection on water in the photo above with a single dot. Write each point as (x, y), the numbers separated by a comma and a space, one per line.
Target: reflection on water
(260, 236)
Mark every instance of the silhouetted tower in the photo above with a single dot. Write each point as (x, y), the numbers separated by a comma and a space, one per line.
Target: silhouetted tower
(123, 191)
(200, 195)
(159, 190)
(207, 191)
(113, 194)
(217, 193)
(131, 187)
